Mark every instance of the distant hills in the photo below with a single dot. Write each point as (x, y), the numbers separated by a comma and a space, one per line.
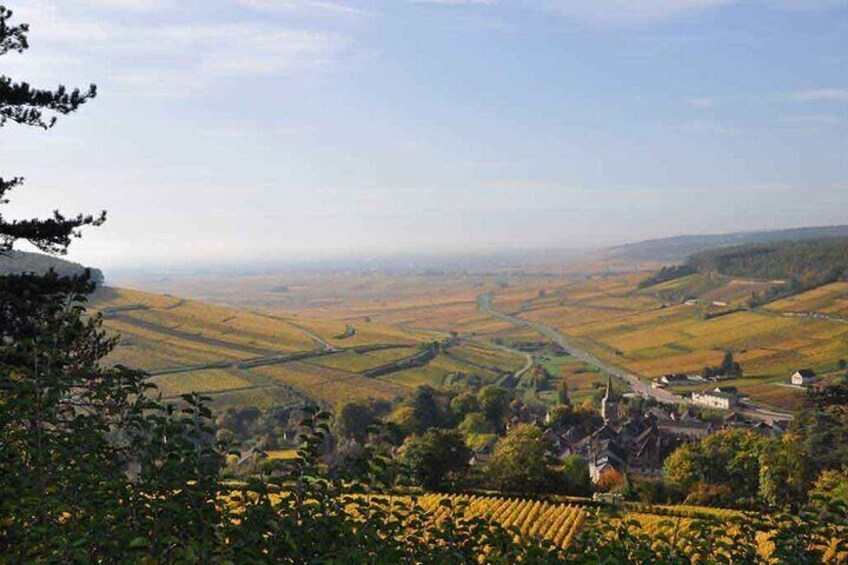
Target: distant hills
(24, 262)
(788, 267)
(679, 248)
(825, 259)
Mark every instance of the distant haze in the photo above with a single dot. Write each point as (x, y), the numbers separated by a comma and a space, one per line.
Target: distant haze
(232, 132)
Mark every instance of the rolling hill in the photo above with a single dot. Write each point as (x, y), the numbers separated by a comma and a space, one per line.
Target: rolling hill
(810, 261)
(679, 248)
(16, 262)
(244, 358)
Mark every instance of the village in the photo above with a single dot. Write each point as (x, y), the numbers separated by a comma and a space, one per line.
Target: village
(633, 435)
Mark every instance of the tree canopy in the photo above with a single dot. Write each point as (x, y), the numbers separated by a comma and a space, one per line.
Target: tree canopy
(520, 461)
(22, 104)
(437, 459)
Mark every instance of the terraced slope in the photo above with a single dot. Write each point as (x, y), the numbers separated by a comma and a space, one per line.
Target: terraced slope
(249, 358)
(238, 357)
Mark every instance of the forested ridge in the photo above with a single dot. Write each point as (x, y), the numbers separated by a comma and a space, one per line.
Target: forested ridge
(679, 248)
(810, 262)
(794, 266)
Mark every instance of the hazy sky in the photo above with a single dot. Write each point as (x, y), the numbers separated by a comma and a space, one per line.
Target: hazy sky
(266, 129)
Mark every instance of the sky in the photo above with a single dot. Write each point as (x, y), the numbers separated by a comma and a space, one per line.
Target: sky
(230, 131)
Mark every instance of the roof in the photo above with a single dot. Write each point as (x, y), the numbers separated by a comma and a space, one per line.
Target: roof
(806, 373)
(678, 424)
(609, 391)
(676, 377)
(728, 393)
(734, 416)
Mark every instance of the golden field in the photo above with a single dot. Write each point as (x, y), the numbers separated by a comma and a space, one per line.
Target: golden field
(647, 331)
(163, 333)
(651, 339)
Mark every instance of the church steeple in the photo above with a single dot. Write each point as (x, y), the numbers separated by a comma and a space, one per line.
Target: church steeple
(608, 405)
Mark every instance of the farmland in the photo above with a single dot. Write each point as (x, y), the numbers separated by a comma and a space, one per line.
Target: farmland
(193, 346)
(558, 523)
(681, 325)
(583, 381)
(638, 331)
(163, 334)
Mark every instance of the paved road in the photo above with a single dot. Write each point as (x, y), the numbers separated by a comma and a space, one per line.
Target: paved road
(636, 384)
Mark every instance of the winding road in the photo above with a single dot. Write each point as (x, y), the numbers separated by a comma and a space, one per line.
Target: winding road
(637, 385)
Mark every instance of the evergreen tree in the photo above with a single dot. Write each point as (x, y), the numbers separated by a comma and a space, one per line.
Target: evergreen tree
(86, 455)
(20, 103)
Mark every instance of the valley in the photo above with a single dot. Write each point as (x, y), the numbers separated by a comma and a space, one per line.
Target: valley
(497, 321)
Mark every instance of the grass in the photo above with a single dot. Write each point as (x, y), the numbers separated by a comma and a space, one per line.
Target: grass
(159, 332)
(831, 299)
(492, 358)
(354, 362)
(367, 333)
(263, 398)
(162, 331)
(282, 454)
(211, 380)
(331, 386)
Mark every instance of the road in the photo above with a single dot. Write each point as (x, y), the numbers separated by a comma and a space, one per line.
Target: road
(636, 384)
(528, 359)
(323, 343)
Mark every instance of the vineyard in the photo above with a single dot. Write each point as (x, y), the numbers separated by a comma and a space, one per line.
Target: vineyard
(651, 334)
(558, 523)
(681, 527)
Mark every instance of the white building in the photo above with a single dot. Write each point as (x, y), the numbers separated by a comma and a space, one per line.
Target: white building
(803, 377)
(717, 398)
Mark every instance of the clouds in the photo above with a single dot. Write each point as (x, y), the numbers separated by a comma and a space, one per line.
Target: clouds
(628, 12)
(242, 50)
(134, 47)
(822, 95)
(456, 2)
(631, 13)
(809, 96)
(309, 7)
(303, 126)
(703, 102)
(605, 13)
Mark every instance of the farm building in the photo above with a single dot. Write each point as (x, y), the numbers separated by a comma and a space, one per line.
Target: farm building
(676, 379)
(803, 377)
(689, 428)
(721, 398)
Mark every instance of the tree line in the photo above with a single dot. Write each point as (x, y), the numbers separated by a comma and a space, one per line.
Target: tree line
(800, 265)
